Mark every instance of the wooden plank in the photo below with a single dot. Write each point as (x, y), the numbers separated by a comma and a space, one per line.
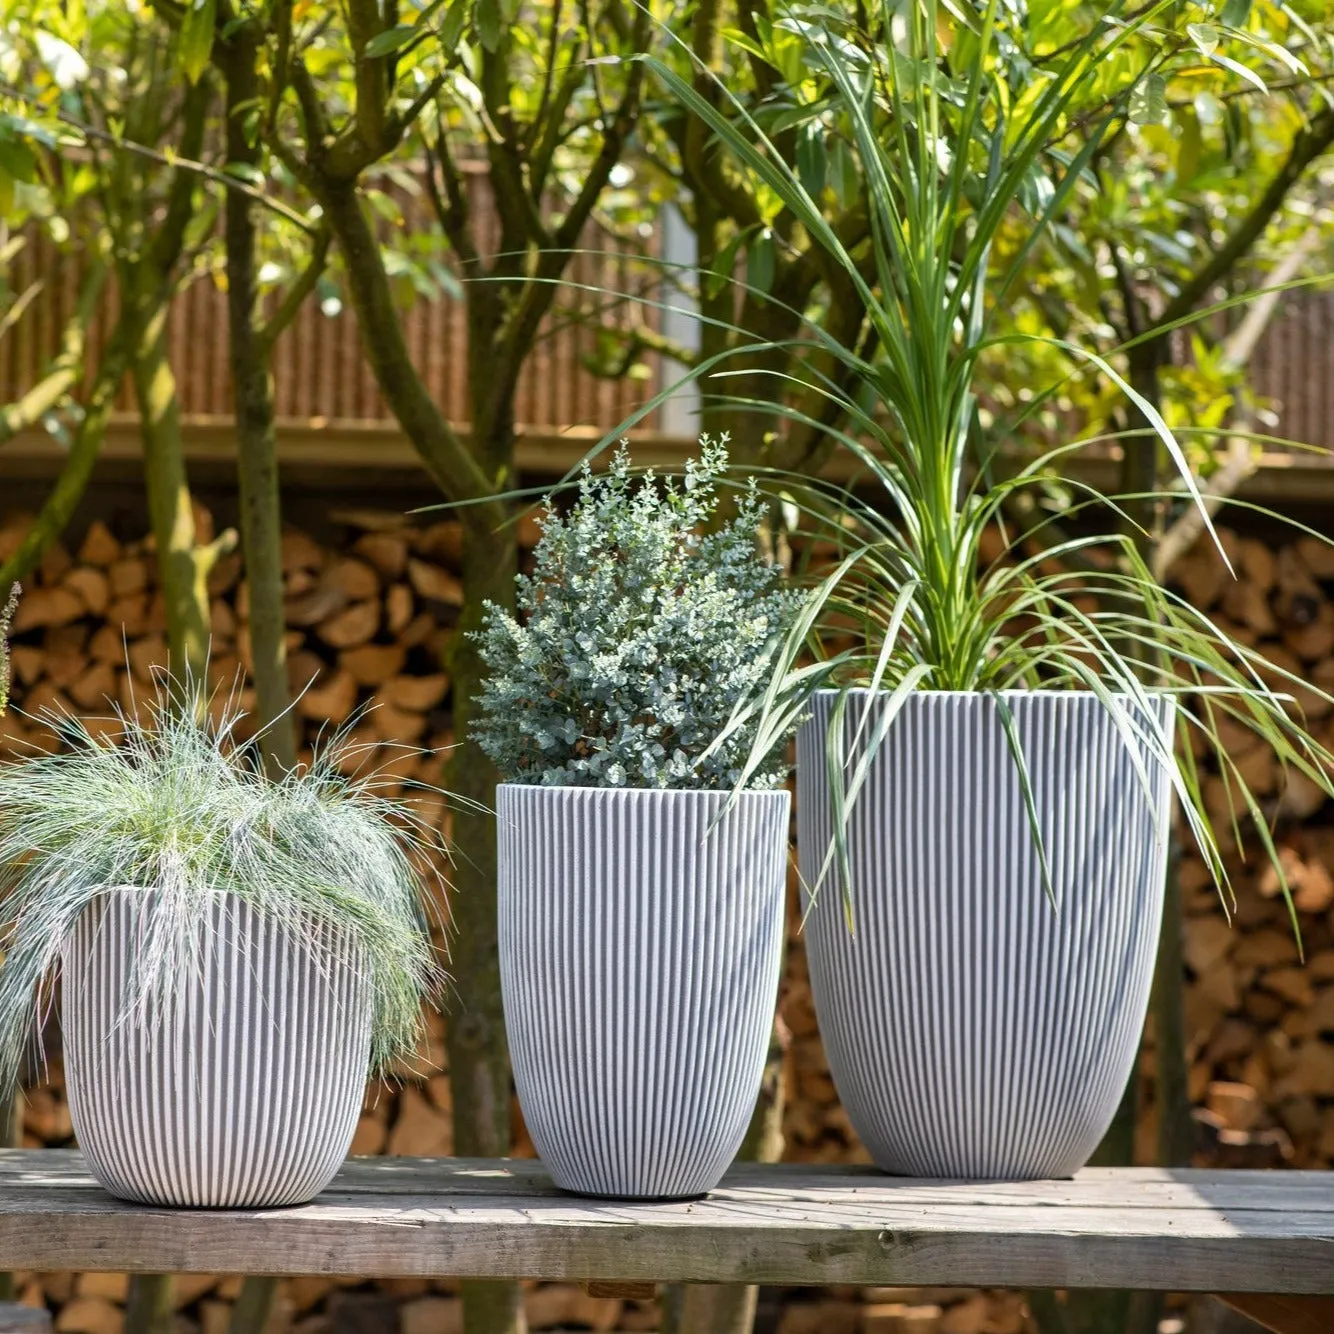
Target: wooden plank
(361, 451)
(1199, 1231)
(1203, 1189)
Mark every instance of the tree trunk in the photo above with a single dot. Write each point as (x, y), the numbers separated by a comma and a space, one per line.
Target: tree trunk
(64, 497)
(151, 1306)
(475, 1035)
(250, 1315)
(182, 564)
(1176, 1130)
(1099, 1311)
(729, 1308)
(257, 448)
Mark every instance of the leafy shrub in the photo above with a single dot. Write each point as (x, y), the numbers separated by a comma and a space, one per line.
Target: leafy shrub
(639, 632)
(177, 806)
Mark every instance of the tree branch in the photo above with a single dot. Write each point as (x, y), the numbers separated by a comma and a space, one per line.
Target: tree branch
(699, 153)
(122, 144)
(66, 369)
(452, 209)
(548, 74)
(167, 244)
(1308, 144)
(449, 461)
(538, 295)
(365, 22)
(1240, 462)
(296, 294)
(544, 151)
(63, 498)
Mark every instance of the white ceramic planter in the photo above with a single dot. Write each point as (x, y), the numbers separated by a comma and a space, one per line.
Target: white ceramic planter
(971, 1030)
(639, 958)
(239, 1088)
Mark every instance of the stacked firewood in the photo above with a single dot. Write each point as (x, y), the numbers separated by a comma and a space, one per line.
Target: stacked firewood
(371, 616)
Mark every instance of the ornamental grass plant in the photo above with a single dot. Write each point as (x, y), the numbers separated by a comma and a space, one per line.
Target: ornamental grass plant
(955, 141)
(639, 631)
(6, 620)
(180, 806)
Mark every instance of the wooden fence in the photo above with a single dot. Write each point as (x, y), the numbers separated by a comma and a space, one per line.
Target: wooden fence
(323, 380)
(321, 376)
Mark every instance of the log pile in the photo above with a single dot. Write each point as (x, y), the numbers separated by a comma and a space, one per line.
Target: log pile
(370, 628)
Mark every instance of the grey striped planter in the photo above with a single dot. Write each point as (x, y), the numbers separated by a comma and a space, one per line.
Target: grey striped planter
(240, 1087)
(971, 1031)
(639, 959)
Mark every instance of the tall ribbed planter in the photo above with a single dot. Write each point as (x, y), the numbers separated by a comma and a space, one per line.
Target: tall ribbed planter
(639, 957)
(238, 1087)
(971, 1030)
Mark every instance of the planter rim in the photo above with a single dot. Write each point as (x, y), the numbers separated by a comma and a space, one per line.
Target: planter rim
(696, 792)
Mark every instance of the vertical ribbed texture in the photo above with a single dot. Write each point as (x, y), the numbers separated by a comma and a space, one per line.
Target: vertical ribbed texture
(971, 1030)
(238, 1087)
(639, 956)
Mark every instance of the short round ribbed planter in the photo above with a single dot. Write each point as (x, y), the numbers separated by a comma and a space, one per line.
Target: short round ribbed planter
(972, 1031)
(639, 960)
(240, 1086)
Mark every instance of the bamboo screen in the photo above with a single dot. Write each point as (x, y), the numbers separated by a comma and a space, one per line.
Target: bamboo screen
(320, 373)
(321, 376)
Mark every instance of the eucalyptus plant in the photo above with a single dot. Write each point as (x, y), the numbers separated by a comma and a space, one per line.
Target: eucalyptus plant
(181, 806)
(639, 633)
(951, 153)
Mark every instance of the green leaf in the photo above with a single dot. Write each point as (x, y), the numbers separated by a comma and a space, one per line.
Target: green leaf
(724, 266)
(245, 171)
(1235, 13)
(1188, 147)
(760, 261)
(388, 41)
(846, 174)
(1148, 103)
(1205, 37)
(811, 158)
(197, 37)
(1026, 788)
(488, 19)
(17, 160)
(735, 37)
(1238, 68)
(451, 30)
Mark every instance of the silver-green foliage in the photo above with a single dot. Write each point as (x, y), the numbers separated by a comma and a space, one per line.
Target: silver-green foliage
(6, 620)
(639, 632)
(179, 806)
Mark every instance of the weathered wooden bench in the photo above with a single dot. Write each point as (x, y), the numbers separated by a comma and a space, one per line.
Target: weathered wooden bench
(1179, 1230)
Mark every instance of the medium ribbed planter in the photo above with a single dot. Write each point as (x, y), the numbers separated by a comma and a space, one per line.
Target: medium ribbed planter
(639, 959)
(972, 1031)
(238, 1087)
